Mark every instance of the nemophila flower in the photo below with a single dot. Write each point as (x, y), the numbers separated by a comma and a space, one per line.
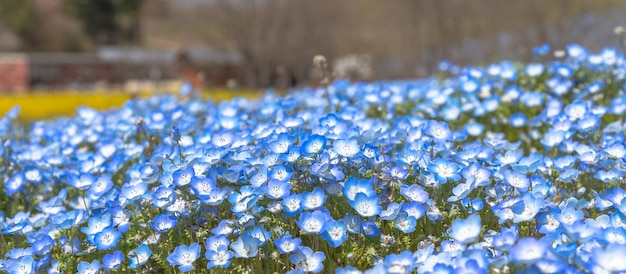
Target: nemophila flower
(366, 205)
(608, 259)
(397, 172)
(528, 163)
(405, 222)
(113, 261)
(261, 234)
(334, 233)
(480, 175)
(163, 223)
(101, 186)
(219, 257)
(24, 264)
(346, 147)
(134, 190)
(414, 193)
(391, 212)
(281, 144)
(608, 176)
(473, 205)
(95, 225)
(120, 218)
(41, 244)
(88, 268)
(528, 207)
(616, 150)
(466, 230)
(415, 209)
(223, 139)
(246, 246)
(532, 99)
(529, 250)
(81, 182)
(534, 70)
(183, 177)
(184, 256)
(175, 134)
(313, 200)
(306, 260)
(202, 186)
(400, 263)
(276, 189)
(313, 145)
(444, 170)
(312, 222)
(517, 120)
(569, 215)
(370, 229)
(505, 239)
(515, 179)
(353, 186)
(107, 238)
(491, 104)
(281, 173)
(163, 196)
(353, 223)
(439, 131)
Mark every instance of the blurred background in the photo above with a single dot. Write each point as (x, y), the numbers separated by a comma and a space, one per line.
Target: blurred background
(255, 44)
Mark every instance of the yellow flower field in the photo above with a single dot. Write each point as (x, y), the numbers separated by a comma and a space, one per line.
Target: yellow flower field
(46, 105)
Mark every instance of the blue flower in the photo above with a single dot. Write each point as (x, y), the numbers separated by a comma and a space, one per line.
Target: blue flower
(608, 259)
(466, 230)
(334, 233)
(515, 179)
(113, 261)
(281, 144)
(353, 186)
(246, 246)
(219, 257)
(101, 186)
(183, 177)
(184, 256)
(405, 222)
(313, 145)
(370, 229)
(444, 169)
(414, 193)
(107, 238)
(276, 189)
(312, 222)
(314, 200)
(88, 268)
(292, 204)
(281, 173)
(400, 263)
(366, 206)
(24, 264)
(307, 261)
(15, 183)
(440, 131)
(202, 186)
(82, 182)
(287, 244)
(347, 148)
(397, 172)
(529, 250)
(261, 234)
(163, 223)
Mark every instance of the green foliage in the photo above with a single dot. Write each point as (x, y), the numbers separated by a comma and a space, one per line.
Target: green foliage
(102, 20)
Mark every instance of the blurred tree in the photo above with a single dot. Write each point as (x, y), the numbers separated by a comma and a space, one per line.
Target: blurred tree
(19, 16)
(109, 22)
